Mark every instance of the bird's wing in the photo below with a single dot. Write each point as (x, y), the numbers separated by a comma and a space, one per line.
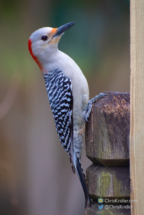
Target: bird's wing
(59, 90)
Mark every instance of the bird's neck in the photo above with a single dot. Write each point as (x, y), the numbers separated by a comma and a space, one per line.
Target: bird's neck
(50, 61)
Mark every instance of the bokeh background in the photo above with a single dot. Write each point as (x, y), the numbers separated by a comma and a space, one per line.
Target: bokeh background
(35, 173)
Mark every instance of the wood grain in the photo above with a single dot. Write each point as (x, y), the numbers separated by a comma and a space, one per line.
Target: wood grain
(107, 132)
(108, 182)
(137, 106)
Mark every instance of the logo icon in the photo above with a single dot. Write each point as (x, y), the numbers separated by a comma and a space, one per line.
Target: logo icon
(100, 207)
(100, 200)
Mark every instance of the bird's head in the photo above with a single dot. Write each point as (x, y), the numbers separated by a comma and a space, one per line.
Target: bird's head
(44, 41)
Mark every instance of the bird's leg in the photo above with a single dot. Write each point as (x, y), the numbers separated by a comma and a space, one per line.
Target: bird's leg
(90, 103)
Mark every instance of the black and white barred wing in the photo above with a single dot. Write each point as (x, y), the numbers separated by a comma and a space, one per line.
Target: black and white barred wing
(59, 90)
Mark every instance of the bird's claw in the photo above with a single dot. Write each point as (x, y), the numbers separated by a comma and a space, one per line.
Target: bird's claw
(86, 118)
(90, 103)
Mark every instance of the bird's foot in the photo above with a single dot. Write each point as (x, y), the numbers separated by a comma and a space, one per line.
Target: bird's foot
(90, 103)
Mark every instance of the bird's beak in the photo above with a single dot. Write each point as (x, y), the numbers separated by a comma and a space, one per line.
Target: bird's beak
(63, 28)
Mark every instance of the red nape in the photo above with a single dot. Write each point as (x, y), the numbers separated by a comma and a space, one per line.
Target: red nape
(34, 57)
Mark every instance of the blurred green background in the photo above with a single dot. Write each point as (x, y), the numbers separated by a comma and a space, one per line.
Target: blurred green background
(35, 173)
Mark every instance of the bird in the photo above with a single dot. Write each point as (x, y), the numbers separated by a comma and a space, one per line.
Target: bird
(67, 91)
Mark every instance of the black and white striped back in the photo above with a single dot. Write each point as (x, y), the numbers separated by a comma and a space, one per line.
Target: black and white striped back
(59, 90)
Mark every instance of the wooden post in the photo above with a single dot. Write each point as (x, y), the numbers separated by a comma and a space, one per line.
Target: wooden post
(137, 107)
(107, 146)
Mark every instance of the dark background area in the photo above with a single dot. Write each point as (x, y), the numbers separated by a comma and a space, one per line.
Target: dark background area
(35, 173)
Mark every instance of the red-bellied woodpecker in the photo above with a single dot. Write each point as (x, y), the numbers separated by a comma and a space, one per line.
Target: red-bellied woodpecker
(68, 93)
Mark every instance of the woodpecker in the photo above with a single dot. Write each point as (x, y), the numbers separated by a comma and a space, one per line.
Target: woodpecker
(68, 93)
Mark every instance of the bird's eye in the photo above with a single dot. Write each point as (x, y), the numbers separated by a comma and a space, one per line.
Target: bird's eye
(44, 38)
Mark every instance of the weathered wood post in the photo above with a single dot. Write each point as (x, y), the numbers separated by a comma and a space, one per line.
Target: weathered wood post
(107, 146)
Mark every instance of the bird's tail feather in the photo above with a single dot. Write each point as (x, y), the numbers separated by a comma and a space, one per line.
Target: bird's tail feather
(83, 183)
(72, 164)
